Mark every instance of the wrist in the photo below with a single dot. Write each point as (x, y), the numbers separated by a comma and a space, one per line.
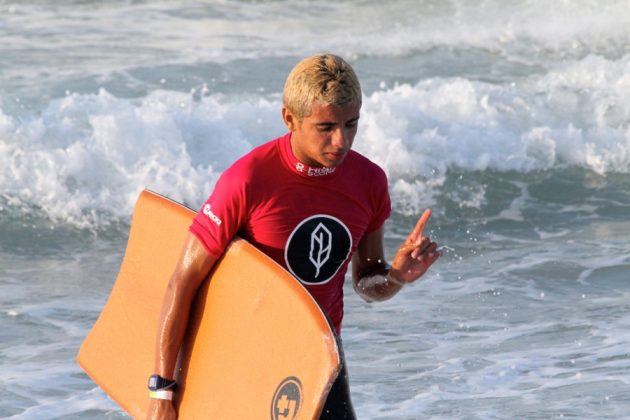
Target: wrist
(391, 279)
(162, 394)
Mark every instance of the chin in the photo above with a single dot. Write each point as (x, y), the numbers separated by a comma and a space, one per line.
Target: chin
(333, 163)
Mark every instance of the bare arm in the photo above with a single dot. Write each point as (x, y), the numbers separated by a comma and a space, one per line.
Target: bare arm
(369, 269)
(374, 280)
(191, 270)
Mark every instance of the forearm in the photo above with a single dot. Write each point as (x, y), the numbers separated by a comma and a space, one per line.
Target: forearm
(172, 325)
(371, 275)
(192, 269)
(376, 284)
(171, 330)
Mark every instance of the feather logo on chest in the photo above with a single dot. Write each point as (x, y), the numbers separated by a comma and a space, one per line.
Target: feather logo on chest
(317, 248)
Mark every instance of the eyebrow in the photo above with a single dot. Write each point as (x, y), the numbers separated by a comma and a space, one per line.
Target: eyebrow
(330, 123)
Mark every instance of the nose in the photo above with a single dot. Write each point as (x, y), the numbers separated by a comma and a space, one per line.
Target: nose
(340, 139)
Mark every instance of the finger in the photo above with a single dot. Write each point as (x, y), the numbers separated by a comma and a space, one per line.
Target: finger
(431, 247)
(425, 248)
(433, 256)
(416, 235)
(421, 247)
(433, 253)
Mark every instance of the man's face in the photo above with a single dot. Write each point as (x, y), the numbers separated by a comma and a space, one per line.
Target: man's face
(324, 138)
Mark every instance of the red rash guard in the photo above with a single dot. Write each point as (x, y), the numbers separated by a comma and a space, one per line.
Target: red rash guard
(309, 220)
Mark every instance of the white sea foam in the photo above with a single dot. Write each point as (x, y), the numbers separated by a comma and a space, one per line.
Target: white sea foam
(94, 153)
(516, 86)
(575, 115)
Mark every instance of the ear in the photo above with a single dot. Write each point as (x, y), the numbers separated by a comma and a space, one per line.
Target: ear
(289, 119)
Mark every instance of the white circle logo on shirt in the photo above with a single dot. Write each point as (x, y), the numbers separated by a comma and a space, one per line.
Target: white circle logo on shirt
(317, 248)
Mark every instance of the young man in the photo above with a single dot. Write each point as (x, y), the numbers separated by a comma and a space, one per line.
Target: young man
(310, 203)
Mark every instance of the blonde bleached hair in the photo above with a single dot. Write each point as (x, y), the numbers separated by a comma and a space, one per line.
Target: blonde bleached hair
(325, 78)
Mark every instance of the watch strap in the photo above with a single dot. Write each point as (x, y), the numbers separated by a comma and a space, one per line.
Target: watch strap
(158, 383)
(161, 394)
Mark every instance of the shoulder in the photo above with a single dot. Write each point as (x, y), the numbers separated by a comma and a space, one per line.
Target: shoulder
(372, 179)
(259, 160)
(376, 187)
(360, 165)
(247, 174)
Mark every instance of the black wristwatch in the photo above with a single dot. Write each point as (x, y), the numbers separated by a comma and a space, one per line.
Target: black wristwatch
(156, 383)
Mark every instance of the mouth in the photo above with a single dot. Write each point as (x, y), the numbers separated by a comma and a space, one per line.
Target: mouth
(336, 155)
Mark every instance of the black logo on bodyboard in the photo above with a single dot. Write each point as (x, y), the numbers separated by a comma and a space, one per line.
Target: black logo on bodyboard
(287, 399)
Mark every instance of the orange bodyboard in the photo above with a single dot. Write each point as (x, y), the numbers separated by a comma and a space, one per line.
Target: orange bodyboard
(258, 346)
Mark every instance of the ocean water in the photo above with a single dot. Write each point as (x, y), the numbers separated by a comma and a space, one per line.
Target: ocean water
(509, 118)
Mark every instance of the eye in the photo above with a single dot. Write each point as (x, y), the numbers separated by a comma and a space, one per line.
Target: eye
(324, 128)
(352, 123)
